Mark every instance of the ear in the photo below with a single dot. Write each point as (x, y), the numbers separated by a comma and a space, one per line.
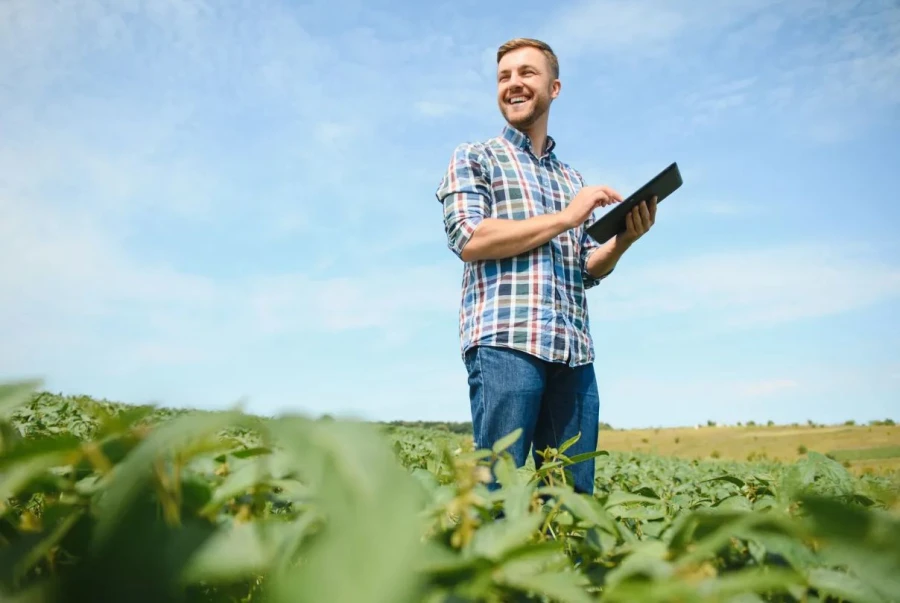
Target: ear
(555, 87)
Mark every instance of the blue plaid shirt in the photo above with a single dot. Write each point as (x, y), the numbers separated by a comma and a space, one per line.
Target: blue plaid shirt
(534, 302)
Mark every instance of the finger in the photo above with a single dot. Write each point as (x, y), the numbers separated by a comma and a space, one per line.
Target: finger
(611, 193)
(639, 225)
(645, 215)
(629, 225)
(653, 211)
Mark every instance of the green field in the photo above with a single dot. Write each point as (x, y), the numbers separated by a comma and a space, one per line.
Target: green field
(867, 454)
(105, 502)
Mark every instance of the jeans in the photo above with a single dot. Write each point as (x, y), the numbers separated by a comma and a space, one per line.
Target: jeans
(551, 402)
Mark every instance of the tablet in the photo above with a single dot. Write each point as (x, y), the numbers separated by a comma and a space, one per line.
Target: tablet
(613, 222)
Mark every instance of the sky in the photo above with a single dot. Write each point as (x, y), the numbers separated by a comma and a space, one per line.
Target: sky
(210, 203)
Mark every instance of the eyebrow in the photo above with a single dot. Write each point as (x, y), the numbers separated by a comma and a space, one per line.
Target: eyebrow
(524, 66)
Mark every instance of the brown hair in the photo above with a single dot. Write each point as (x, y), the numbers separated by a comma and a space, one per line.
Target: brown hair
(517, 43)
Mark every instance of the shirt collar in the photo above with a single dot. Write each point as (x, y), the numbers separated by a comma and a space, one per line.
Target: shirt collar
(523, 142)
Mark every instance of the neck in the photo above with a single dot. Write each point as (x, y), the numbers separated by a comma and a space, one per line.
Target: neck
(537, 133)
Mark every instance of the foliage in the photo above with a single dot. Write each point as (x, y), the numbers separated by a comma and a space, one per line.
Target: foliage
(112, 503)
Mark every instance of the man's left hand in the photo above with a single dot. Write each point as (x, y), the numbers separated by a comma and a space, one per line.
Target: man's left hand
(638, 221)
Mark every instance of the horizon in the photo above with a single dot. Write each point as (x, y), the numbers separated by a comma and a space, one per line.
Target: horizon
(887, 421)
(165, 169)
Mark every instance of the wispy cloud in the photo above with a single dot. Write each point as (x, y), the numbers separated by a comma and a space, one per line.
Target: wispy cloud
(67, 275)
(801, 392)
(755, 288)
(436, 108)
(765, 387)
(693, 399)
(730, 61)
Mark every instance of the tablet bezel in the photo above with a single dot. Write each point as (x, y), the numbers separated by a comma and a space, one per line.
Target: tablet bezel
(613, 222)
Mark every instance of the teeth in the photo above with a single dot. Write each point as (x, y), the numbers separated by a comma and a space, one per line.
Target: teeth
(516, 100)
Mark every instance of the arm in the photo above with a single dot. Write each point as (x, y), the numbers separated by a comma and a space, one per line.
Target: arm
(602, 259)
(598, 261)
(496, 238)
(472, 234)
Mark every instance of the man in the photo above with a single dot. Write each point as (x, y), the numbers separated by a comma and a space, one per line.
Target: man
(515, 214)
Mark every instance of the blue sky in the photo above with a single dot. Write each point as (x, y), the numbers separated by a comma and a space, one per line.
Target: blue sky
(210, 201)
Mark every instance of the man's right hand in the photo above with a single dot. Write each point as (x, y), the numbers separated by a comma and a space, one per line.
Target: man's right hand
(586, 201)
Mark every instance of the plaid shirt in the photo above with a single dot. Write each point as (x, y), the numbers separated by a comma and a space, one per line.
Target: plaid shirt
(534, 302)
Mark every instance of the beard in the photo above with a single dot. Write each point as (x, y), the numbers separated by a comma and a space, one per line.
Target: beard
(523, 118)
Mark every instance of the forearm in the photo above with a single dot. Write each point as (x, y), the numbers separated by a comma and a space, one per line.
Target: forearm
(496, 238)
(603, 260)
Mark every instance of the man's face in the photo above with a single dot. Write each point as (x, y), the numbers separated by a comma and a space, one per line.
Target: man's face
(525, 86)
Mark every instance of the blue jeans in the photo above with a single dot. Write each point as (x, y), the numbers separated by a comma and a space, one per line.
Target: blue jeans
(551, 402)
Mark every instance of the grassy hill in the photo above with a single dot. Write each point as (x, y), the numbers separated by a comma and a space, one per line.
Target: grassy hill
(107, 502)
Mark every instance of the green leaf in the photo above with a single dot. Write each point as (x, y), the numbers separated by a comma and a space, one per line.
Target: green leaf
(736, 502)
(33, 548)
(134, 474)
(15, 394)
(584, 456)
(840, 585)
(750, 580)
(724, 478)
(506, 441)
(237, 552)
(17, 476)
(499, 537)
(235, 484)
(517, 499)
(622, 498)
(569, 443)
(646, 562)
(639, 513)
(370, 507)
(566, 587)
(587, 508)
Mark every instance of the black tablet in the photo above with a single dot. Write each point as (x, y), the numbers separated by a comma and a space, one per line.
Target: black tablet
(613, 222)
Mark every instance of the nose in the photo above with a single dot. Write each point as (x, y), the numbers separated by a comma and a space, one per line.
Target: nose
(514, 85)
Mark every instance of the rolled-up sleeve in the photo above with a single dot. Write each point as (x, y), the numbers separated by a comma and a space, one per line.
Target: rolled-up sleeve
(588, 246)
(464, 192)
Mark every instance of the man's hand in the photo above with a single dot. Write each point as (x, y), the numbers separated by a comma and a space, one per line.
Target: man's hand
(586, 201)
(637, 222)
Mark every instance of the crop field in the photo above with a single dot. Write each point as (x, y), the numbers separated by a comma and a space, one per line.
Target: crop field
(861, 448)
(106, 502)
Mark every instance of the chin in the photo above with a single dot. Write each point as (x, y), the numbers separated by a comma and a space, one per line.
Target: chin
(521, 122)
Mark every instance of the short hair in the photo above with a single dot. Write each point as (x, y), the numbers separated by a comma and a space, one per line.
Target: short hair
(517, 43)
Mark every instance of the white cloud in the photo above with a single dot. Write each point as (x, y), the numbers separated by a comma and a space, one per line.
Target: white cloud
(765, 387)
(690, 399)
(805, 390)
(435, 108)
(753, 288)
(733, 390)
(68, 275)
(388, 299)
(638, 30)
(732, 61)
(601, 26)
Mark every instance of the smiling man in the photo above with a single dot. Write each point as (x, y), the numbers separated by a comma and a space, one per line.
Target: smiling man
(515, 214)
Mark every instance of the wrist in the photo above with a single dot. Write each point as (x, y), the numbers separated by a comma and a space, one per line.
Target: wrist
(620, 244)
(562, 222)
